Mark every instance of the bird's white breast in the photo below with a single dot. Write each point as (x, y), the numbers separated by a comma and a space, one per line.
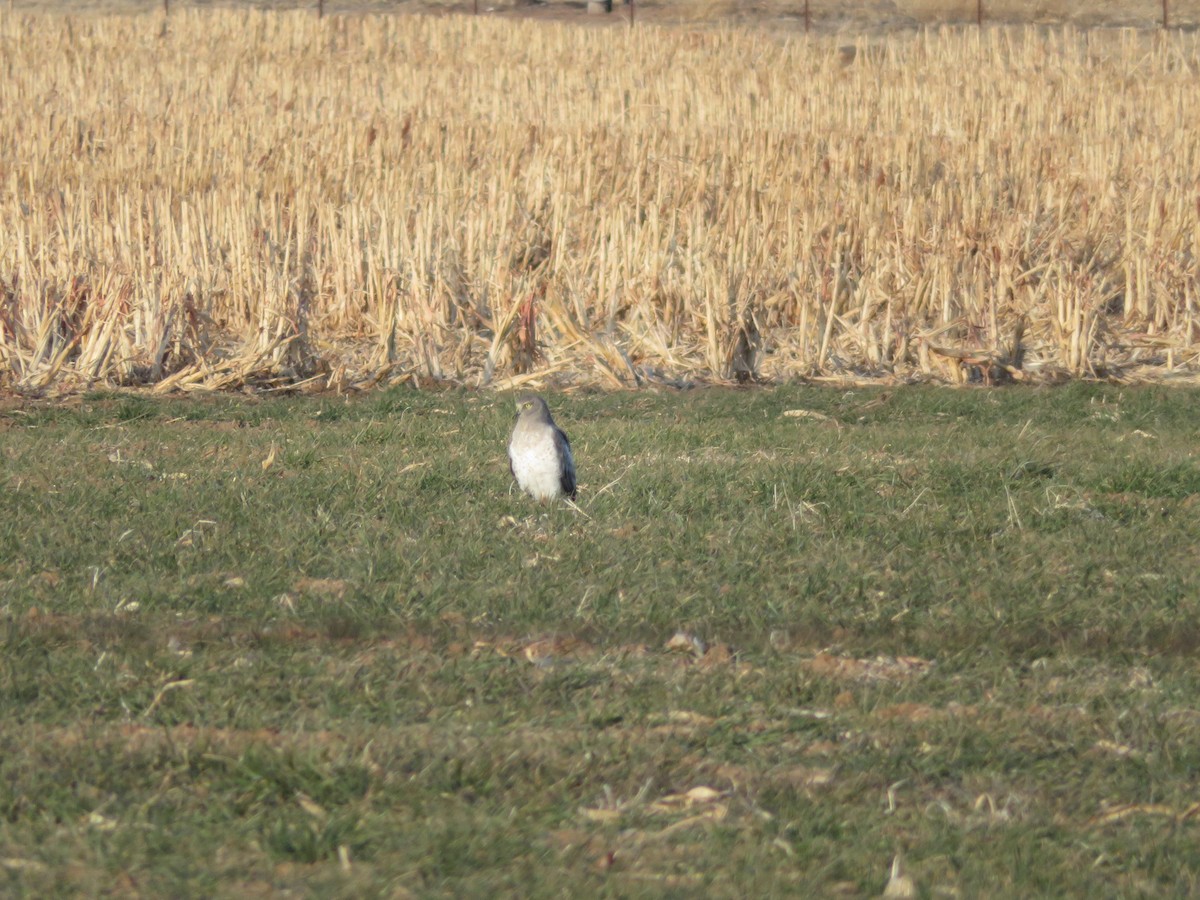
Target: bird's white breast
(535, 465)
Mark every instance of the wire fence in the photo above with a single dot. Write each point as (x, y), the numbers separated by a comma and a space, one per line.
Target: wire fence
(799, 15)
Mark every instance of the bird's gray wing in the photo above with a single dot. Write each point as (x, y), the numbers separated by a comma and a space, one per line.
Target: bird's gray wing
(566, 462)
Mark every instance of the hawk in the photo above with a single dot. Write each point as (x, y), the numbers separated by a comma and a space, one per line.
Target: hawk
(539, 454)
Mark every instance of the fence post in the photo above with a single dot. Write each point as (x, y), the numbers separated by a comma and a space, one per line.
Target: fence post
(807, 17)
(320, 9)
(979, 13)
(1166, 16)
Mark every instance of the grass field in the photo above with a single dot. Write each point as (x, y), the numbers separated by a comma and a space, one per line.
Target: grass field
(794, 638)
(795, 641)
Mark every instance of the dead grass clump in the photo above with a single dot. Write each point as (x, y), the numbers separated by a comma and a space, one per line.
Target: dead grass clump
(270, 198)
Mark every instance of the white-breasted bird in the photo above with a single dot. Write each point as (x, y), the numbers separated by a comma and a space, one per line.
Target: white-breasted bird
(539, 454)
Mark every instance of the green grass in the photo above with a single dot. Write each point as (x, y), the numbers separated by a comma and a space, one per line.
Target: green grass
(371, 669)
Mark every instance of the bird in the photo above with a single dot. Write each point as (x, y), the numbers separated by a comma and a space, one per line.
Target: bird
(539, 453)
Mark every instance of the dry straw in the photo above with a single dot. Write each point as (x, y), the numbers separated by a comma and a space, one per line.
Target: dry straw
(273, 198)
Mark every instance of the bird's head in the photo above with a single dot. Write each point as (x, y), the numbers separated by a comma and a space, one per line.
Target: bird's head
(528, 403)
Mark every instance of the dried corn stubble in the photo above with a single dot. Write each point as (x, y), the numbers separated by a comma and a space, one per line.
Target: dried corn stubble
(273, 197)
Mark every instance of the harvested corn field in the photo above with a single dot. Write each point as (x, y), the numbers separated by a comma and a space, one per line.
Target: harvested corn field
(230, 197)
